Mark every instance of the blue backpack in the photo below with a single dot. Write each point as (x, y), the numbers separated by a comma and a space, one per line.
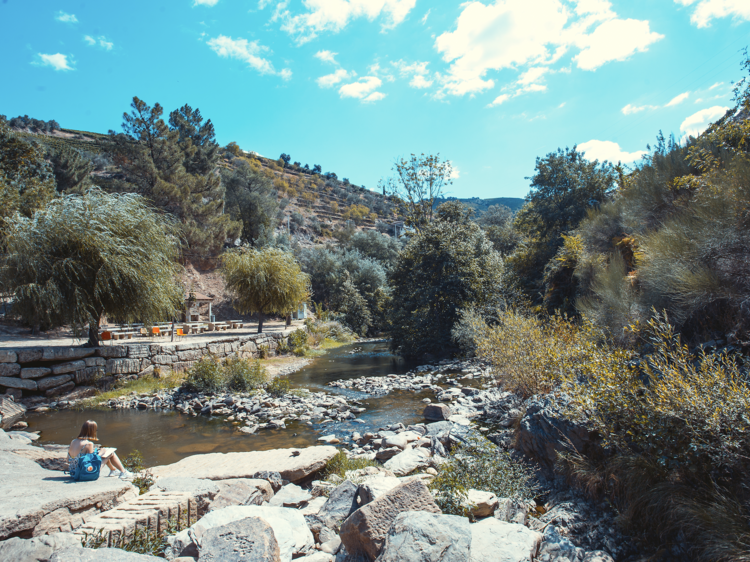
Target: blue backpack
(88, 468)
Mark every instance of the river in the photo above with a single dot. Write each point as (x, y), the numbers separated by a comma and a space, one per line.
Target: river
(166, 437)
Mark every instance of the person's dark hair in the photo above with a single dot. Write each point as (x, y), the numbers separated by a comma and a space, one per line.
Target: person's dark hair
(88, 431)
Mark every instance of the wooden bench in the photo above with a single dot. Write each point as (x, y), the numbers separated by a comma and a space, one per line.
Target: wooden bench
(236, 324)
(217, 326)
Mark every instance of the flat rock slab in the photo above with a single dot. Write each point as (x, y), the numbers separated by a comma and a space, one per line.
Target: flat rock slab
(37, 501)
(36, 549)
(100, 555)
(408, 461)
(222, 466)
(241, 491)
(418, 536)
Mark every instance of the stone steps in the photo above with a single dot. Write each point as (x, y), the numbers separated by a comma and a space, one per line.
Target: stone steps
(152, 510)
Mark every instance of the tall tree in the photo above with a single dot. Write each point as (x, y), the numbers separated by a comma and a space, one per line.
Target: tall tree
(251, 199)
(448, 266)
(266, 281)
(417, 182)
(196, 138)
(86, 256)
(565, 186)
(153, 160)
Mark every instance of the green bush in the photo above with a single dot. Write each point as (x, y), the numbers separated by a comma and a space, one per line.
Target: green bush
(142, 540)
(206, 375)
(340, 464)
(479, 465)
(142, 478)
(278, 387)
(242, 375)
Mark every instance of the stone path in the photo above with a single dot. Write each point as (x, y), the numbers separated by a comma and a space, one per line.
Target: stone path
(152, 510)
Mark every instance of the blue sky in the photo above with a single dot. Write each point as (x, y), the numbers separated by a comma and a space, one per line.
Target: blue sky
(353, 84)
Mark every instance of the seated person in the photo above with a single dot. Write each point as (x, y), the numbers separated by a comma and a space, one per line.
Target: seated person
(82, 445)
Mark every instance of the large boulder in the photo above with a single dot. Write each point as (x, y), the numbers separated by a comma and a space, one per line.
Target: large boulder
(289, 527)
(247, 540)
(408, 461)
(291, 495)
(36, 549)
(342, 502)
(418, 536)
(364, 531)
(556, 548)
(497, 541)
(481, 504)
(241, 491)
(375, 486)
(293, 464)
(437, 412)
(10, 411)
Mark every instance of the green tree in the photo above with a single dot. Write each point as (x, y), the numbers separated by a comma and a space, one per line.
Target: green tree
(71, 169)
(197, 140)
(26, 180)
(251, 199)
(450, 265)
(417, 182)
(352, 305)
(83, 257)
(563, 188)
(153, 160)
(265, 281)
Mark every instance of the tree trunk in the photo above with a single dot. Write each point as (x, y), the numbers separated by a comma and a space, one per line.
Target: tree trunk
(288, 320)
(260, 322)
(94, 333)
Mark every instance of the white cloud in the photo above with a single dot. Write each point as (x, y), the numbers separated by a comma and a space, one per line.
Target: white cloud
(362, 88)
(706, 10)
(334, 15)
(66, 18)
(455, 172)
(608, 150)
(375, 96)
(56, 61)
(249, 52)
(534, 33)
(330, 80)
(699, 121)
(205, 2)
(614, 40)
(427, 15)
(101, 41)
(630, 109)
(417, 71)
(326, 56)
(677, 100)
(716, 85)
(286, 74)
(420, 82)
(499, 100)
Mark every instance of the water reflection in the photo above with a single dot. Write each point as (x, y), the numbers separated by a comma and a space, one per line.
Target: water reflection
(166, 437)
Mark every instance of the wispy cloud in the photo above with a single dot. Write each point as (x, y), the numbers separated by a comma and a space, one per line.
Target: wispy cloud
(363, 89)
(631, 109)
(57, 61)
(249, 52)
(707, 10)
(101, 41)
(326, 56)
(608, 150)
(416, 71)
(677, 100)
(699, 121)
(330, 80)
(427, 15)
(66, 18)
(205, 2)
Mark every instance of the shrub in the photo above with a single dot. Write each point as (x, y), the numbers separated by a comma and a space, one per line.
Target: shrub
(340, 464)
(242, 375)
(479, 465)
(278, 387)
(142, 540)
(205, 376)
(142, 478)
(298, 338)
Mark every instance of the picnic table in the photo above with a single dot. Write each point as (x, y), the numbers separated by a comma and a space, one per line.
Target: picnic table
(218, 326)
(194, 327)
(236, 323)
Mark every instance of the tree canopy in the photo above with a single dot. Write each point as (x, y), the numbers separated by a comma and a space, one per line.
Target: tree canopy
(82, 257)
(450, 265)
(264, 281)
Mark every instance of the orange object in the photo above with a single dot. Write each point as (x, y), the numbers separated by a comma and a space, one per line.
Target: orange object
(179, 332)
(106, 335)
(155, 331)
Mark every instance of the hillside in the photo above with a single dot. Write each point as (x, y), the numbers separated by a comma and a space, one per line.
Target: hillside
(480, 206)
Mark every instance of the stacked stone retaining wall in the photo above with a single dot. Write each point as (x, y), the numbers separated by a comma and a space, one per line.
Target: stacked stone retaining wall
(54, 371)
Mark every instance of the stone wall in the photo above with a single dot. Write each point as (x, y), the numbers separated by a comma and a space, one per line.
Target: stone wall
(53, 371)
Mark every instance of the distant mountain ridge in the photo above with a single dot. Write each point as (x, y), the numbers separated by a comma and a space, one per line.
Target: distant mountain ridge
(480, 206)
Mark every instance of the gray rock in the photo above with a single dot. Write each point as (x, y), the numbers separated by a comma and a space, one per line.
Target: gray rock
(342, 502)
(497, 541)
(204, 491)
(10, 410)
(408, 461)
(332, 546)
(388, 453)
(71, 367)
(364, 531)
(8, 356)
(65, 353)
(482, 504)
(247, 540)
(437, 412)
(375, 486)
(79, 554)
(37, 549)
(418, 536)
(10, 369)
(556, 548)
(21, 384)
(597, 556)
(435, 429)
(241, 491)
(35, 372)
(291, 495)
(62, 389)
(52, 382)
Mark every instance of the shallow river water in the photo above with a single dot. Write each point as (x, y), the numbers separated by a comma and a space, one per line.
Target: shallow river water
(166, 437)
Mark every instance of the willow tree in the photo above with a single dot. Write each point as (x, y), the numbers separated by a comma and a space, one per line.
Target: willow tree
(265, 281)
(86, 256)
